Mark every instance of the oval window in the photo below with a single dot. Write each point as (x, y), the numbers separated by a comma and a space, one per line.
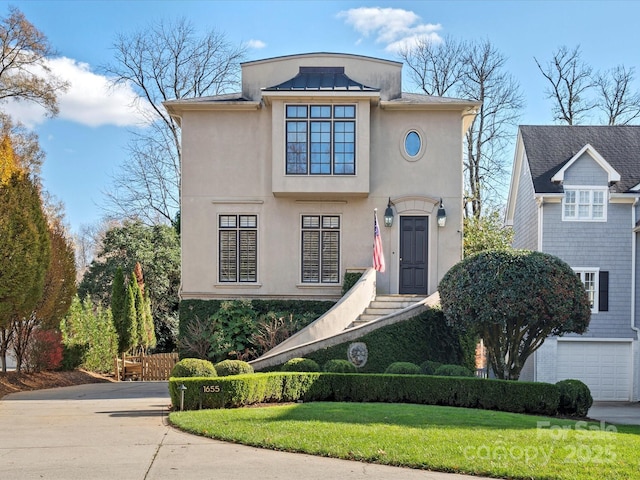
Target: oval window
(412, 143)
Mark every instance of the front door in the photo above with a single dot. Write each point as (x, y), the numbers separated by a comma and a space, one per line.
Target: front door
(413, 255)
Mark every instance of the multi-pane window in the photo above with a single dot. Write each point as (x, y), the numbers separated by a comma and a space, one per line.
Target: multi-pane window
(238, 248)
(584, 204)
(589, 279)
(321, 139)
(320, 249)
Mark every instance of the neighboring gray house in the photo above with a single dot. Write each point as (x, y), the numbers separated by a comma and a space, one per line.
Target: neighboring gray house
(574, 194)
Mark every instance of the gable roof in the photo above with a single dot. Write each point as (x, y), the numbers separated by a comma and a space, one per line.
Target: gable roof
(550, 148)
(612, 175)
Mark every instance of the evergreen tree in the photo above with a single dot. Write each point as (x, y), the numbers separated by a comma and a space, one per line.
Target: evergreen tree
(24, 253)
(118, 294)
(130, 337)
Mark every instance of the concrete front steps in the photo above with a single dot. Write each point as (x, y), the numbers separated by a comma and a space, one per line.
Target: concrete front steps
(384, 305)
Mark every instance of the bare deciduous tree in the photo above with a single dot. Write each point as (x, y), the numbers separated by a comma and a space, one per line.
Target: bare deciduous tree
(473, 71)
(435, 67)
(615, 98)
(486, 159)
(164, 62)
(570, 80)
(24, 72)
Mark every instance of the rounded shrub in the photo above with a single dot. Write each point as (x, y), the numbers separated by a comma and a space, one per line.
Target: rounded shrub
(232, 367)
(429, 367)
(575, 398)
(453, 371)
(403, 368)
(300, 365)
(339, 366)
(194, 367)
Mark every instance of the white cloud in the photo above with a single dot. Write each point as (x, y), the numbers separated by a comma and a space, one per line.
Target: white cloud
(394, 27)
(257, 44)
(90, 100)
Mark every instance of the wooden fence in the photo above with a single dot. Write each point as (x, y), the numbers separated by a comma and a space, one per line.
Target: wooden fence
(145, 367)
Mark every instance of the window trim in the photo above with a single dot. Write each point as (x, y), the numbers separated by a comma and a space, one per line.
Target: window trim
(581, 271)
(320, 229)
(309, 120)
(585, 188)
(423, 144)
(237, 228)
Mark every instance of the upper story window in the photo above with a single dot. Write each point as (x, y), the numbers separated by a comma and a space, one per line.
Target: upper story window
(584, 204)
(321, 139)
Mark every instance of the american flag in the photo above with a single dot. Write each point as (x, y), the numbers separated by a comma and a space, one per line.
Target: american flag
(378, 254)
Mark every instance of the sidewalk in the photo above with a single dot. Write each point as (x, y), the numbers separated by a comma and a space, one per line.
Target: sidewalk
(120, 431)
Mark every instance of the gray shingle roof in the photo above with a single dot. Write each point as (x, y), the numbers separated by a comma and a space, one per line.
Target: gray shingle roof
(321, 78)
(549, 147)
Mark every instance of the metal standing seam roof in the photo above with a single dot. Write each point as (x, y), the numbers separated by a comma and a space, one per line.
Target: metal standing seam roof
(549, 147)
(321, 79)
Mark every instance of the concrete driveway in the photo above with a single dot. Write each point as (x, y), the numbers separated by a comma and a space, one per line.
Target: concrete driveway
(120, 431)
(616, 413)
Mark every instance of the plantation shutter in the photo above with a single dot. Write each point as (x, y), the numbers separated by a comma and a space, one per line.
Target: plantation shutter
(603, 292)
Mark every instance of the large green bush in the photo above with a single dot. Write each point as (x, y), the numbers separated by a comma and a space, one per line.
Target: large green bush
(300, 365)
(339, 366)
(193, 367)
(575, 398)
(232, 367)
(513, 300)
(403, 368)
(235, 391)
(429, 367)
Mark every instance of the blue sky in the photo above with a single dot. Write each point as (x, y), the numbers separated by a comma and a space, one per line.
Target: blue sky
(86, 143)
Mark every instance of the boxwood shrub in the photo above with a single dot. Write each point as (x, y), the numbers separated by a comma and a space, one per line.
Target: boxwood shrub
(193, 367)
(489, 394)
(453, 371)
(403, 368)
(232, 367)
(339, 366)
(575, 398)
(300, 365)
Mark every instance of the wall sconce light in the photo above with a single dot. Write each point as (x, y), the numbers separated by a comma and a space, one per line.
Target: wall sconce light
(388, 215)
(441, 215)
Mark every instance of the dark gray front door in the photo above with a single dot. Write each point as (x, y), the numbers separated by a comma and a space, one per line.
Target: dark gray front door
(413, 255)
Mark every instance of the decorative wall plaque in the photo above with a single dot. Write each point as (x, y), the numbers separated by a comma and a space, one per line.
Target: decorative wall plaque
(357, 353)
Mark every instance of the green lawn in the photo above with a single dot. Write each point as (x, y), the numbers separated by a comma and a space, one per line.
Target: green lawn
(447, 439)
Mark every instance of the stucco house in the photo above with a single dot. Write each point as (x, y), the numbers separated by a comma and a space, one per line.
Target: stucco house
(574, 194)
(280, 181)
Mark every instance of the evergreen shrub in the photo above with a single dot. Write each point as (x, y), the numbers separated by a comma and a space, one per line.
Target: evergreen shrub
(403, 368)
(429, 367)
(453, 371)
(193, 367)
(232, 367)
(339, 366)
(575, 398)
(300, 365)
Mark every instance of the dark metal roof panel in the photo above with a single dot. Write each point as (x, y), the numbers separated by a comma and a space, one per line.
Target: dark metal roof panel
(321, 78)
(549, 147)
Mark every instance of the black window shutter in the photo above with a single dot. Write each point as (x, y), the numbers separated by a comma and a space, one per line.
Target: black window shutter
(603, 292)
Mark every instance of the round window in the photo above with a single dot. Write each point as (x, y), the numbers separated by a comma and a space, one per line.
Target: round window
(412, 143)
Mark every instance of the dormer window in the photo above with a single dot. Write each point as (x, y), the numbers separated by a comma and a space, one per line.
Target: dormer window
(320, 139)
(584, 204)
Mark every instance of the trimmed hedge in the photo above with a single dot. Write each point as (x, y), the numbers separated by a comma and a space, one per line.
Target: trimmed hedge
(488, 394)
(424, 337)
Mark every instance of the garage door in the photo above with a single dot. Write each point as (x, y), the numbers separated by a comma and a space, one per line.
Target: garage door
(604, 366)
